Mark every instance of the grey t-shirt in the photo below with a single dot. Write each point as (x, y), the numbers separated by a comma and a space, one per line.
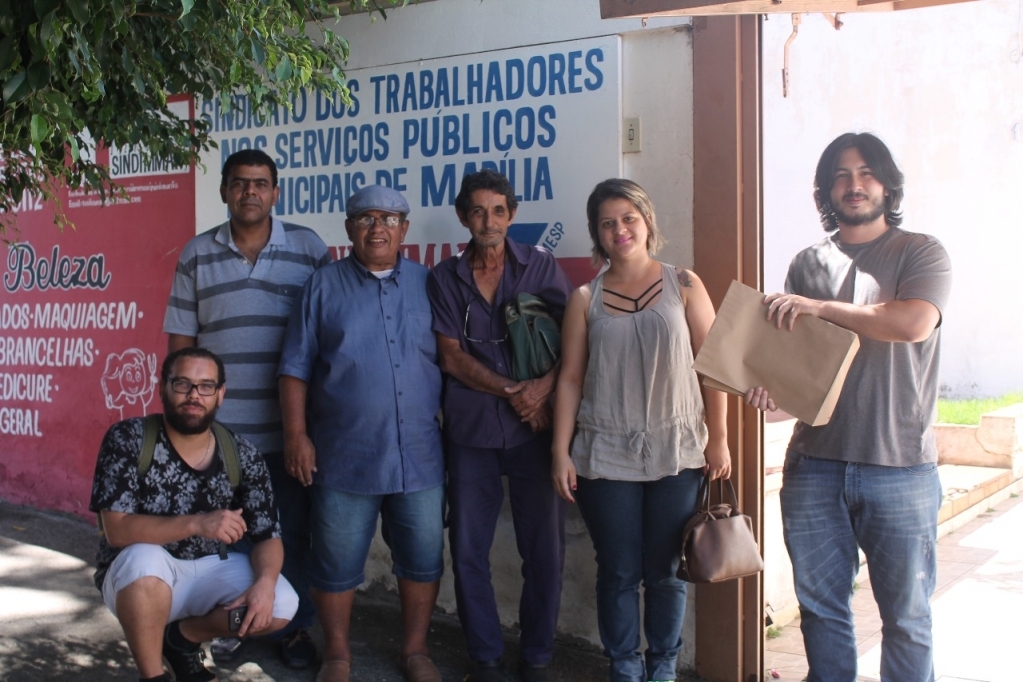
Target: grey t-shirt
(889, 399)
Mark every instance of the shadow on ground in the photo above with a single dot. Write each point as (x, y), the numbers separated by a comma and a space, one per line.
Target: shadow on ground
(54, 626)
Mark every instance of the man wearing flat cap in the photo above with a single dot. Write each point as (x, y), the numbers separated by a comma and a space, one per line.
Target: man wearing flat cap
(360, 393)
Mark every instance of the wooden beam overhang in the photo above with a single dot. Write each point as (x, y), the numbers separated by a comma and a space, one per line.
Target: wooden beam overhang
(617, 9)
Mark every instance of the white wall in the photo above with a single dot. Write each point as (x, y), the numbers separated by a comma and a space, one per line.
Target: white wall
(658, 88)
(943, 87)
(657, 78)
(453, 27)
(657, 84)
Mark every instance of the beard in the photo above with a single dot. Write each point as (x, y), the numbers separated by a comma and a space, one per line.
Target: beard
(875, 211)
(185, 423)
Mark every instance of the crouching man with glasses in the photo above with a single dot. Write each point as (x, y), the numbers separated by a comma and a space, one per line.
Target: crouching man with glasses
(496, 426)
(167, 519)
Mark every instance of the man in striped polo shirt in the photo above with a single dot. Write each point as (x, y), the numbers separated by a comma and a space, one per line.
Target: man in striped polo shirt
(233, 291)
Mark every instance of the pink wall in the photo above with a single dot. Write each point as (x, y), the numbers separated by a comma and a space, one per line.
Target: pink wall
(81, 316)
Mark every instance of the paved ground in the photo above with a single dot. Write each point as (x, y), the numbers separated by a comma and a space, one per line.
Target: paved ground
(54, 626)
(977, 608)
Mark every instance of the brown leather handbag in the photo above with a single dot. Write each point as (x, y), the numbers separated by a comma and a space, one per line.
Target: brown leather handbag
(718, 542)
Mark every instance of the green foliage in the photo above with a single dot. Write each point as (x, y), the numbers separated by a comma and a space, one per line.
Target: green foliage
(78, 71)
(970, 411)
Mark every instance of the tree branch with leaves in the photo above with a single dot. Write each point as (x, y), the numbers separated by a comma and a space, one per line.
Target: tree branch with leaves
(78, 72)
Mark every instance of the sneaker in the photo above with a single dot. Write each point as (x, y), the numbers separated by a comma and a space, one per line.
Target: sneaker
(186, 665)
(298, 650)
(226, 649)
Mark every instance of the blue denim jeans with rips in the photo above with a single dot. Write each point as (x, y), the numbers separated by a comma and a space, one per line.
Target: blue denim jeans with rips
(829, 509)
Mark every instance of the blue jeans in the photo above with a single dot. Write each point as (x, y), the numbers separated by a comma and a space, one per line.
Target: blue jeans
(293, 509)
(343, 526)
(829, 508)
(636, 528)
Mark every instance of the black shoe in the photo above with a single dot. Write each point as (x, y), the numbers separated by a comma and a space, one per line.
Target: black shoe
(486, 671)
(185, 665)
(298, 650)
(226, 649)
(533, 673)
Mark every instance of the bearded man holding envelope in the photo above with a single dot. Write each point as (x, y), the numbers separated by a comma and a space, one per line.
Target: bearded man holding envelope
(867, 479)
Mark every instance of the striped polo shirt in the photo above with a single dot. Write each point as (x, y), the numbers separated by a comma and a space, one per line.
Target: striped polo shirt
(239, 311)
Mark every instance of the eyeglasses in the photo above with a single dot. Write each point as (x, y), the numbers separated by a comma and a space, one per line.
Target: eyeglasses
(366, 222)
(184, 386)
(465, 328)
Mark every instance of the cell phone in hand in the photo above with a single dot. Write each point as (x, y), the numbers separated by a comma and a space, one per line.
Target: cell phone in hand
(235, 618)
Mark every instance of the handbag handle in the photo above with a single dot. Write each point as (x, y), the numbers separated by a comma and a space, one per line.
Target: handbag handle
(703, 495)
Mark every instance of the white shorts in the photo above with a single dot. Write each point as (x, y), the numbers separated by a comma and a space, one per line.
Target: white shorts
(197, 586)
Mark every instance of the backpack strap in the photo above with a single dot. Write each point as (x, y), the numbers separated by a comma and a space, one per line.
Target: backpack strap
(150, 431)
(229, 449)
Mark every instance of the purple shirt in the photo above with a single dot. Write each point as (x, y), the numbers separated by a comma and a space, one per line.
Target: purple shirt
(471, 417)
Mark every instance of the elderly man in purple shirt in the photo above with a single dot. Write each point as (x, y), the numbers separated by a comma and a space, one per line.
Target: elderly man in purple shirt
(495, 426)
(360, 394)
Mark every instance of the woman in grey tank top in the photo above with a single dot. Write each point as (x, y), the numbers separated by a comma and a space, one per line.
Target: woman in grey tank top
(634, 433)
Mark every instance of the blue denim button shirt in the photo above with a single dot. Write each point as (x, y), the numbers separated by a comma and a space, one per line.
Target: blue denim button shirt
(366, 348)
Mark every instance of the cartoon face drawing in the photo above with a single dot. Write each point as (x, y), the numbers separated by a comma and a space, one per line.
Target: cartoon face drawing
(129, 378)
(133, 377)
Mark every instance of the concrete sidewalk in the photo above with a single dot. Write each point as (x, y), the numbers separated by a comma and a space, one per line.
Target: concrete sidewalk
(977, 607)
(54, 626)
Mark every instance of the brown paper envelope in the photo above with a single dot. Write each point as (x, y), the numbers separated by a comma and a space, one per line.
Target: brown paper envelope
(718, 386)
(803, 369)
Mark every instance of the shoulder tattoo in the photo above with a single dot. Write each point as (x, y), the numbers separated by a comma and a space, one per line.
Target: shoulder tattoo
(683, 277)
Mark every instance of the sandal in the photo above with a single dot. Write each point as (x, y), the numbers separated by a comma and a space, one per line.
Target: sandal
(334, 671)
(419, 668)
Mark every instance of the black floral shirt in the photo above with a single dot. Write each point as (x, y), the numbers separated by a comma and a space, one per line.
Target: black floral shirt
(172, 488)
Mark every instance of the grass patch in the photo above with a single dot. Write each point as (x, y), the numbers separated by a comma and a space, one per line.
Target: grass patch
(773, 632)
(970, 411)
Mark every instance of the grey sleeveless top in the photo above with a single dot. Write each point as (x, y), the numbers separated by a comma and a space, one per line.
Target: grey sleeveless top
(641, 417)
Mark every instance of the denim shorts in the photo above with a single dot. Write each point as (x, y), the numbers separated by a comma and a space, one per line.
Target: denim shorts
(343, 526)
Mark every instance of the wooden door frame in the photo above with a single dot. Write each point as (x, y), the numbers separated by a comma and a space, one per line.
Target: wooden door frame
(728, 234)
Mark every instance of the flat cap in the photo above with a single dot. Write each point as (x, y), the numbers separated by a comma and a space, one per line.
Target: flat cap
(376, 197)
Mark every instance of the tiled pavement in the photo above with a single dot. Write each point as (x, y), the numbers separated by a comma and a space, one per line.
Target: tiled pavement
(977, 608)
